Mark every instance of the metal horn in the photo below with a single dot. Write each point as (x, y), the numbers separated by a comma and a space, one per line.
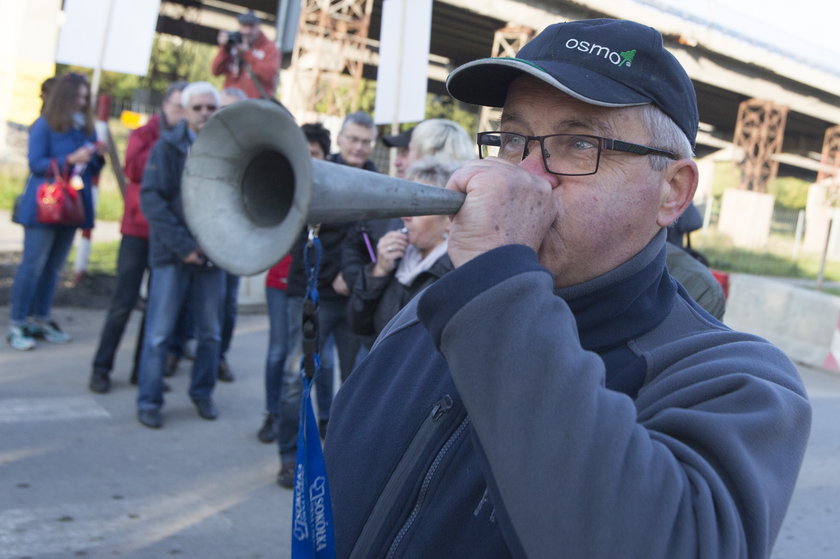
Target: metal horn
(249, 187)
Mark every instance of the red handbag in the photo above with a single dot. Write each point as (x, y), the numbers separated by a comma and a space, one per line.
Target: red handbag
(58, 202)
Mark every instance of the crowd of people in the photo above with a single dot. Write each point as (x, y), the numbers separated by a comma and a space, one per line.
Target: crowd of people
(190, 305)
(529, 361)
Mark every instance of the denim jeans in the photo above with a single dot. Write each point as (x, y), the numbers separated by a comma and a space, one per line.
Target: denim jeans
(170, 285)
(45, 249)
(132, 263)
(184, 330)
(229, 314)
(278, 343)
(332, 322)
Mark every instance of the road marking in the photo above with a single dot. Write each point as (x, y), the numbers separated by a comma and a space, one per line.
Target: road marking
(20, 410)
(127, 526)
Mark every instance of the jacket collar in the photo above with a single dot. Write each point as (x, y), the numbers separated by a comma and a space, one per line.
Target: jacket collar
(625, 302)
(336, 158)
(178, 136)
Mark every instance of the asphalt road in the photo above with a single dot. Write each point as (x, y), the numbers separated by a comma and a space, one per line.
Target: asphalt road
(79, 477)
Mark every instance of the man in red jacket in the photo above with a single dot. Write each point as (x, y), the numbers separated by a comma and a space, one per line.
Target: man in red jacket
(132, 260)
(247, 59)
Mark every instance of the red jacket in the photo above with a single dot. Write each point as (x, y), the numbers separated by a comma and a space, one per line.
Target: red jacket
(263, 59)
(278, 275)
(140, 143)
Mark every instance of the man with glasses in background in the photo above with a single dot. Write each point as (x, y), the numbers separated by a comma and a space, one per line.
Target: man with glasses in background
(179, 267)
(558, 394)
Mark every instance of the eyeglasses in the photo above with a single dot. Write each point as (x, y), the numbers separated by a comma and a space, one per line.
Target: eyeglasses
(360, 141)
(197, 108)
(562, 154)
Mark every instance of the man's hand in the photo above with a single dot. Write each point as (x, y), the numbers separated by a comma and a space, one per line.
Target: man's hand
(222, 38)
(340, 286)
(504, 205)
(196, 257)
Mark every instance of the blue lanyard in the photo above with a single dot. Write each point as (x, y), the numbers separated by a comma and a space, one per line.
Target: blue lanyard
(312, 524)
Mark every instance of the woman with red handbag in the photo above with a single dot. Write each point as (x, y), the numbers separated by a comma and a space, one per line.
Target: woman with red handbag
(62, 137)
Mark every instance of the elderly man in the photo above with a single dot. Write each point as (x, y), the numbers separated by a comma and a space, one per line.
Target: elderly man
(558, 394)
(179, 267)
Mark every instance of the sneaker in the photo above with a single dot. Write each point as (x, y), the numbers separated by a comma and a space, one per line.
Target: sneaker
(225, 374)
(268, 431)
(286, 475)
(19, 338)
(48, 331)
(150, 418)
(100, 383)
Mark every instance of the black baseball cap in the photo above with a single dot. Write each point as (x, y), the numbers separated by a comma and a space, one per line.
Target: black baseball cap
(604, 62)
(400, 140)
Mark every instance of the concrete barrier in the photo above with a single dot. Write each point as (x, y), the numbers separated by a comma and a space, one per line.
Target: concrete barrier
(252, 290)
(802, 322)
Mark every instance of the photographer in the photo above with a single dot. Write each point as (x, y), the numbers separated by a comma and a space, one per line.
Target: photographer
(247, 59)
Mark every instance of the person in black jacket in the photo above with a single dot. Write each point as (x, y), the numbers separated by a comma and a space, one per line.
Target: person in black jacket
(434, 137)
(408, 259)
(355, 142)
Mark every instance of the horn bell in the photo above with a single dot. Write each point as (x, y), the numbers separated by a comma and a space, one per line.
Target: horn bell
(245, 187)
(249, 187)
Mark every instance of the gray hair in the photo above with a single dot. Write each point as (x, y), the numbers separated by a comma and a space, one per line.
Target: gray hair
(432, 169)
(664, 134)
(199, 88)
(360, 118)
(442, 136)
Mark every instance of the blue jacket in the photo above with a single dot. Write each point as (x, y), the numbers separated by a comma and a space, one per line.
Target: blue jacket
(160, 198)
(496, 417)
(46, 144)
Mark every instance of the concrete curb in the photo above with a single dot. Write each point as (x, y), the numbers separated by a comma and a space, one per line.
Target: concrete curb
(801, 322)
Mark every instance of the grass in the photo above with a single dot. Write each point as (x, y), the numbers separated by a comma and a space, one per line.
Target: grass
(103, 258)
(775, 260)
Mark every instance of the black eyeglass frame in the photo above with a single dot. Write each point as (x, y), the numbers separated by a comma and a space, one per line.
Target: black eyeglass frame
(609, 144)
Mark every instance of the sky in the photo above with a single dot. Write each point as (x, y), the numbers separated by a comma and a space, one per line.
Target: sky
(808, 30)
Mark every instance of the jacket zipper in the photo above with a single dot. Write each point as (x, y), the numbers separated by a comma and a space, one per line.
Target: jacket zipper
(438, 411)
(387, 501)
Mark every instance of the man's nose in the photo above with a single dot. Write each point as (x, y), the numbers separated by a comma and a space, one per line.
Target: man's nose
(532, 160)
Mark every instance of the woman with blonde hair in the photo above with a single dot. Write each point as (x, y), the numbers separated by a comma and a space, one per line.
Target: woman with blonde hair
(408, 259)
(439, 136)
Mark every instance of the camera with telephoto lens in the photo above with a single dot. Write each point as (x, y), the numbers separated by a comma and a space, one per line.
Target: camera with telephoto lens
(234, 39)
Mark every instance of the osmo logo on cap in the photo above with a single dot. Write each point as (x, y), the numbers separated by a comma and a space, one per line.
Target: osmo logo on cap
(619, 59)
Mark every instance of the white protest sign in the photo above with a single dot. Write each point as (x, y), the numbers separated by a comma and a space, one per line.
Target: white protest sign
(127, 26)
(402, 76)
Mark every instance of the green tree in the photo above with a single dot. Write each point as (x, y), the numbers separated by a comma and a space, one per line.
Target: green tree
(790, 192)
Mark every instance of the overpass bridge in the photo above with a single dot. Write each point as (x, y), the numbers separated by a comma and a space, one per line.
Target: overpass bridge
(726, 67)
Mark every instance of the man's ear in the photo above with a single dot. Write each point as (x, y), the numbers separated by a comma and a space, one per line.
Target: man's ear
(680, 184)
